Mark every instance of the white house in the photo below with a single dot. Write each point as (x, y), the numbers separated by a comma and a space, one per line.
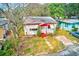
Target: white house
(31, 24)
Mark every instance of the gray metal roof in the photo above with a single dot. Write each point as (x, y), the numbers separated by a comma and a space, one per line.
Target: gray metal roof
(70, 21)
(3, 21)
(38, 20)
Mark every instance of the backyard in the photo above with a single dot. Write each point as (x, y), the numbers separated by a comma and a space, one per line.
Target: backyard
(18, 42)
(38, 46)
(35, 45)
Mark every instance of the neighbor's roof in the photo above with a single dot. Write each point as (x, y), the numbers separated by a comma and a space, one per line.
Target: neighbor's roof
(38, 20)
(70, 21)
(3, 21)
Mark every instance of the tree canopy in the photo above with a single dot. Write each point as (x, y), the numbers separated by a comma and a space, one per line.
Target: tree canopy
(64, 9)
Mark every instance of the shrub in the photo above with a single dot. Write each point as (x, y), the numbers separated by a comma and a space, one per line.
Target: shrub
(74, 28)
(39, 31)
(9, 47)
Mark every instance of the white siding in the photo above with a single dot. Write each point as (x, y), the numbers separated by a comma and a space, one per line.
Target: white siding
(45, 29)
(53, 27)
(28, 31)
(49, 30)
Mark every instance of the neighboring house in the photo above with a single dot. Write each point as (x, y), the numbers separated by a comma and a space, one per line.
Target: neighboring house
(31, 25)
(68, 24)
(3, 27)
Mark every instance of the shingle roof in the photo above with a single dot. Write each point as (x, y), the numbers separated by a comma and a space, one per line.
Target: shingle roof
(38, 20)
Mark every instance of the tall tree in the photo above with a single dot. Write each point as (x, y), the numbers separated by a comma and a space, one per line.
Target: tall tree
(64, 9)
(37, 10)
(14, 16)
(72, 9)
(57, 9)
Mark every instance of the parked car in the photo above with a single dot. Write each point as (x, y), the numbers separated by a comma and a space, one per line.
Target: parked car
(76, 34)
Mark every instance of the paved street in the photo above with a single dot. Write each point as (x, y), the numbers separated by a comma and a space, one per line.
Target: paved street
(72, 50)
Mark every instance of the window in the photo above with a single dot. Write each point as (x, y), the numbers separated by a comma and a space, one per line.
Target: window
(34, 29)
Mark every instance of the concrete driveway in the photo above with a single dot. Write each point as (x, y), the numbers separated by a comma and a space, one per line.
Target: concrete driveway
(72, 50)
(64, 40)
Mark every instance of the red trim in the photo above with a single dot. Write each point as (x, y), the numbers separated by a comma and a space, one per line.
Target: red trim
(45, 24)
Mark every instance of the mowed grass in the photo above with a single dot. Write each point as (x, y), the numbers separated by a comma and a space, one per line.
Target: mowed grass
(37, 46)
